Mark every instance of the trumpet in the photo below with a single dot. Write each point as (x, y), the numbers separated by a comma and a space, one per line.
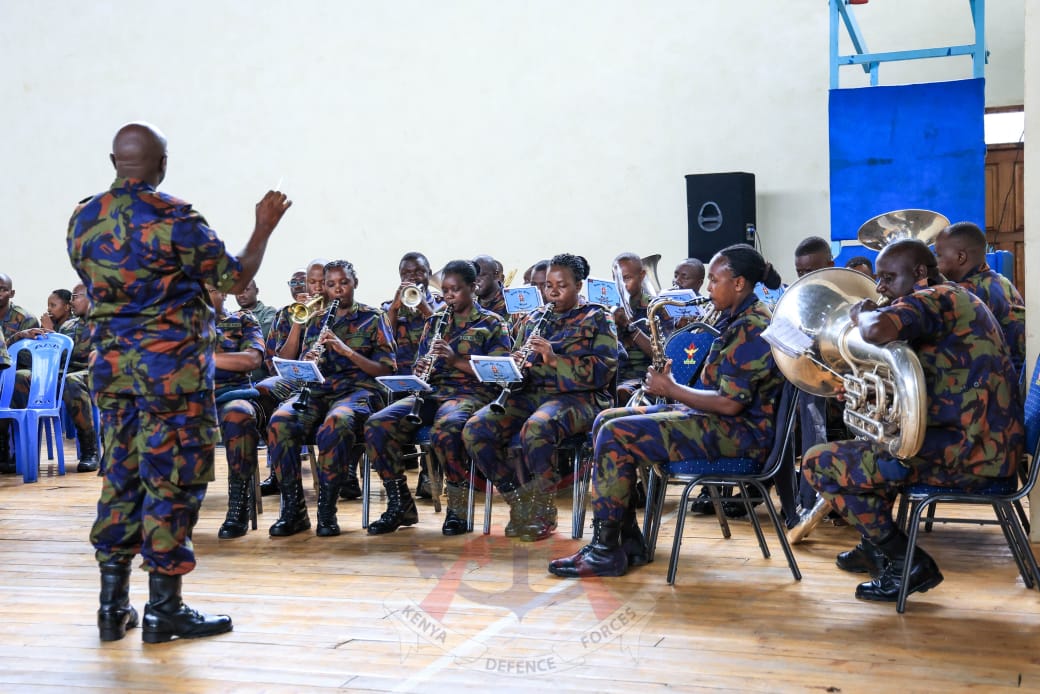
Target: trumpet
(424, 365)
(412, 296)
(319, 349)
(302, 312)
(499, 405)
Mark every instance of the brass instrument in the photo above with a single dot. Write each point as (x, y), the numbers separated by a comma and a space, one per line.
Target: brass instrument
(319, 349)
(423, 368)
(412, 296)
(658, 359)
(302, 312)
(923, 225)
(651, 283)
(499, 406)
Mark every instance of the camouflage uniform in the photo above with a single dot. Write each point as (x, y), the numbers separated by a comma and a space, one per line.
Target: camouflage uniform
(14, 321)
(555, 403)
(265, 316)
(1001, 297)
(974, 420)
(241, 418)
(408, 330)
(338, 408)
(456, 396)
(143, 257)
(76, 395)
(5, 358)
(496, 304)
(740, 367)
(633, 364)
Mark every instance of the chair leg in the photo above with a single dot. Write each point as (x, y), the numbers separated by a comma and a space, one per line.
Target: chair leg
(471, 498)
(489, 492)
(713, 489)
(781, 532)
(1019, 545)
(1022, 516)
(366, 487)
(680, 521)
(436, 474)
(917, 509)
(901, 519)
(656, 491)
(931, 516)
(754, 518)
(579, 497)
(314, 467)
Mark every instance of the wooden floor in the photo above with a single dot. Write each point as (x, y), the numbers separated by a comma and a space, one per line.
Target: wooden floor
(416, 611)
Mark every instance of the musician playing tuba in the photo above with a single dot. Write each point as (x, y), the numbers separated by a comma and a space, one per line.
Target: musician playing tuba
(974, 430)
(457, 394)
(570, 374)
(730, 412)
(638, 291)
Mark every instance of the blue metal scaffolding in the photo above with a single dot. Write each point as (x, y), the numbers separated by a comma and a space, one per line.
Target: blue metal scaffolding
(840, 10)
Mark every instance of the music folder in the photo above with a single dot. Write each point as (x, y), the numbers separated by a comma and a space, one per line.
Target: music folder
(298, 370)
(522, 299)
(404, 384)
(681, 311)
(495, 369)
(602, 292)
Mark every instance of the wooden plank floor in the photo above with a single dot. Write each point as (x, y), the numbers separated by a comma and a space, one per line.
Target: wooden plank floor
(415, 611)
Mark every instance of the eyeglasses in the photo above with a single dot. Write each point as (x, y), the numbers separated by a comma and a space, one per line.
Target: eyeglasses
(76, 296)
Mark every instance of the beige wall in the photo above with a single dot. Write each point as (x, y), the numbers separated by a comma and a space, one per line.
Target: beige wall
(457, 127)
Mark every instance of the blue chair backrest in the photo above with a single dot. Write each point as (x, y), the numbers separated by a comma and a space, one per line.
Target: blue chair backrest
(50, 360)
(1032, 410)
(687, 348)
(6, 386)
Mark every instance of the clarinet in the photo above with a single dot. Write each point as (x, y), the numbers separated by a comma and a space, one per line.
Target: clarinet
(424, 365)
(499, 405)
(304, 400)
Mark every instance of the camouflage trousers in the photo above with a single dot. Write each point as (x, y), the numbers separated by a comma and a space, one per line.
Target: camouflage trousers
(332, 422)
(862, 482)
(240, 423)
(158, 458)
(627, 438)
(387, 433)
(541, 419)
(80, 405)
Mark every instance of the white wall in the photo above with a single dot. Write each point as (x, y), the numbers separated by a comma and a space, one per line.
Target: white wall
(517, 128)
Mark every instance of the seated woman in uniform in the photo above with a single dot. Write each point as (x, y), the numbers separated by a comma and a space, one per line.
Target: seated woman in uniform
(59, 310)
(571, 359)
(729, 412)
(76, 395)
(351, 344)
(239, 350)
(450, 338)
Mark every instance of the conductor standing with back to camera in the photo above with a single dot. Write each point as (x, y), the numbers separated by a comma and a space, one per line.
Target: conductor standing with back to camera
(143, 257)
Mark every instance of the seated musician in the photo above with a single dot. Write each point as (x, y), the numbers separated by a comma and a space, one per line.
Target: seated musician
(351, 344)
(974, 418)
(461, 330)
(76, 395)
(635, 357)
(861, 263)
(58, 310)
(248, 300)
(811, 254)
(535, 276)
(16, 324)
(406, 323)
(730, 412)
(960, 250)
(239, 350)
(689, 274)
(490, 281)
(571, 352)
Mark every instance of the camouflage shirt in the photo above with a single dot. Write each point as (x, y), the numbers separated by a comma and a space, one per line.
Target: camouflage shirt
(477, 332)
(1001, 297)
(635, 362)
(237, 332)
(974, 414)
(364, 330)
(408, 329)
(143, 257)
(5, 358)
(17, 319)
(79, 330)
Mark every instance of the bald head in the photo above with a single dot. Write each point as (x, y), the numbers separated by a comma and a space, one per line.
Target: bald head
(139, 151)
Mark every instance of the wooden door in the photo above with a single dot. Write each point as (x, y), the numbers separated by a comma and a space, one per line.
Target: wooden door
(1005, 221)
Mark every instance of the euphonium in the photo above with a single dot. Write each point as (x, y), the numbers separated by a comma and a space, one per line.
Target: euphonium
(884, 386)
(305, 393)
(499, 405)
(423, 368)
(302, 312)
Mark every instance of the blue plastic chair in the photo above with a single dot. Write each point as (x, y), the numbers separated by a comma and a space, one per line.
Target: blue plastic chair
(50, 360)
(1002, 495)
(742, 472)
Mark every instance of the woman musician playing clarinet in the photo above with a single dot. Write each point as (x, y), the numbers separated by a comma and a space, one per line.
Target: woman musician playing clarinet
(449, 339)
(571, 361)
(351, 344)
(728, 413)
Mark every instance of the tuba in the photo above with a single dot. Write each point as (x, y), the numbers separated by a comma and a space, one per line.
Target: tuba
(818, 349)
(651, 283)
(923, 225)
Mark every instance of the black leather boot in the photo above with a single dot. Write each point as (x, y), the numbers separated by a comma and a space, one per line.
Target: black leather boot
(269, 487)
(519, 510)
(603, 556)
(293, 517)
(236, 523)
(541, 521)
(400, 508)
(116, 614)
(632, 540)
(166, 617)
(924, 574)
(864, 558)
(327, 496)
(422, 487)
(88, 452)
(457, 513)
(350, 489)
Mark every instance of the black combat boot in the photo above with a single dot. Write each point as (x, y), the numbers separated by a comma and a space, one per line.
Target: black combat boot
(350, 489)
(88, 452)
(293, 517)
(327, 496)
(924, 574)
(269, 487)
(541, 500)
(864, 558)
(422, 487)
(603, 556)
(166, 617)
(632, 540)
(116, 614)
(400, 508)
(456, 516)
(236, 523)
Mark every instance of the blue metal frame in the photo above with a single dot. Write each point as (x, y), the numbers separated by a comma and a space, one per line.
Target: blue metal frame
(840, 10)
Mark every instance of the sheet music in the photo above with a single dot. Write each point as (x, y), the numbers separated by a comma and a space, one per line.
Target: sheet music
(495, 369)
(787, 337)
(298, 370)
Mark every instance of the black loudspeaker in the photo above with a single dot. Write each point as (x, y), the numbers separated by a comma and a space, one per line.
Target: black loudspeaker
(721, 209)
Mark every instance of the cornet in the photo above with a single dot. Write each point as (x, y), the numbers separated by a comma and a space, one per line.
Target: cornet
(412, 296)
(302, 312)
